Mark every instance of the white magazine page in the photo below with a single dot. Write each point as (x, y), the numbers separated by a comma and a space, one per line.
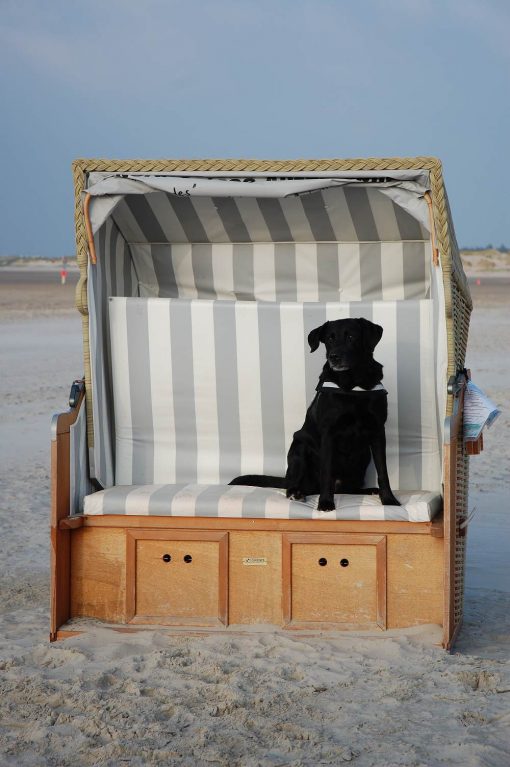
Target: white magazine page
(479, 411)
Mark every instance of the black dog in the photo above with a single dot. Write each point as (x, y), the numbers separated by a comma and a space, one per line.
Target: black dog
(344, 425)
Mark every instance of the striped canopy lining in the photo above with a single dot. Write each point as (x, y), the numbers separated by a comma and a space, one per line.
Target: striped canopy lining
(340, 214)
(340, 244)
(336, 244)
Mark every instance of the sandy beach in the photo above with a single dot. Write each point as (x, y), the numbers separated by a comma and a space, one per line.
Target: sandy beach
(261, 698)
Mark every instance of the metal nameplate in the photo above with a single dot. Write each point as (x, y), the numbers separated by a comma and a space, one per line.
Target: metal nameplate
(254, 561)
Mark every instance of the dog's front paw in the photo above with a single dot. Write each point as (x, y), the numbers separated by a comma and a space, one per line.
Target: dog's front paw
(388, 499)
(295, 495)
(326, 504)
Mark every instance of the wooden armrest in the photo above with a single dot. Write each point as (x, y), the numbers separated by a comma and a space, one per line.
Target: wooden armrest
(62, 422)
(474, 446)
(71, 523)
(60, 454)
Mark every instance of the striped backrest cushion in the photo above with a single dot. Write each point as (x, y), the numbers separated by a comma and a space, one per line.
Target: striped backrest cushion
(207, 390)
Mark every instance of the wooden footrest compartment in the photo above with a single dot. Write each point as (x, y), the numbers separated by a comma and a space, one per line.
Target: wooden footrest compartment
(337, 580)
(178, 580)
(216, 578)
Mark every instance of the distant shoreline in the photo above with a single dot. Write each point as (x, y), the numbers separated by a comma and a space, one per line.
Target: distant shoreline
(36, 262)
(477, 263)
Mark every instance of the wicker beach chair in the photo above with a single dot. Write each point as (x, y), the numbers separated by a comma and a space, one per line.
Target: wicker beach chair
(199, 282)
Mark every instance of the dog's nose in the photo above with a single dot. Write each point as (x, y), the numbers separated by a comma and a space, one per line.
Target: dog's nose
(335, 358)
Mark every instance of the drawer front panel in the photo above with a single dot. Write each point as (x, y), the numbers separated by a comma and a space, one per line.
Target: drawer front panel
(334, 580)
(324, 590)
(177, 578)
(185, 586)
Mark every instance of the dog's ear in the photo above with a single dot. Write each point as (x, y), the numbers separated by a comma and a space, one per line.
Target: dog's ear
(372, 333)
(316, 336)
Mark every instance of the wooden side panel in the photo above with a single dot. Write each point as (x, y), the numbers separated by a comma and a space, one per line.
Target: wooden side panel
(98, 574)
(60, 556)
(255, 567)
(415, 580)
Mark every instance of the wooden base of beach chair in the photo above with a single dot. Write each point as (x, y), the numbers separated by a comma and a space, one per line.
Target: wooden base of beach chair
(292, 574)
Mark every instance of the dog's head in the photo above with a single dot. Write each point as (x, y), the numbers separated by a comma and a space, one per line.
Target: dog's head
(349, 343)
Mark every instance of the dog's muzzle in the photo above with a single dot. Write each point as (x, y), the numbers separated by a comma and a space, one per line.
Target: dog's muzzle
(338, 364)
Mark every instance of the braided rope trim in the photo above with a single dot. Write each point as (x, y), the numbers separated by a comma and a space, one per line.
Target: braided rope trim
(445, 238)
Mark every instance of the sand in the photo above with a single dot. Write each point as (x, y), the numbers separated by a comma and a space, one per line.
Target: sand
(264, 698)
(36, 292)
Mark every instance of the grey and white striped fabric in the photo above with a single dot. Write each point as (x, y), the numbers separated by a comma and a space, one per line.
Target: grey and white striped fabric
(285, 271)
(342, 214)
(113, 275)
(207, 390)
(252, 502)
(344, 244)
(79, 483)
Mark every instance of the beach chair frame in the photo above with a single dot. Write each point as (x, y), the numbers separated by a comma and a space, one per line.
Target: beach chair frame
(450, 529)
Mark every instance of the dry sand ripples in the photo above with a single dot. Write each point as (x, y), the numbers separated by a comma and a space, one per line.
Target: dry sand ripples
(224, 699)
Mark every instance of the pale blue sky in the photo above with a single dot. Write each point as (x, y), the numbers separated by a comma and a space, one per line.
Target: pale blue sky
(250, 78)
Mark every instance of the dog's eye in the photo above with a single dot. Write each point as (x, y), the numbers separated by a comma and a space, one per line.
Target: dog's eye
(331, 337)
(350, 338)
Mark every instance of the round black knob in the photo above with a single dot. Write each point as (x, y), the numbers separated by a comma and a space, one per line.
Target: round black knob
(188, 558)
(166, 558)
(323, 561)
(344, 562)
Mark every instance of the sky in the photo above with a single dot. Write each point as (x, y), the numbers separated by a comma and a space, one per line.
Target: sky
(268, 79)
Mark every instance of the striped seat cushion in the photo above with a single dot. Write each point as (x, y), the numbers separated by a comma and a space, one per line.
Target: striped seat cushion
(241, 501)
(207, 390)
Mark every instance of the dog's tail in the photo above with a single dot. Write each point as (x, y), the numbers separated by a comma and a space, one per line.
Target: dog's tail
(259, 480)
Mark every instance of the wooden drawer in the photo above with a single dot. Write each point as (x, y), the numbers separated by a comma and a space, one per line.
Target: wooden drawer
(333, 580)
(178, 578)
